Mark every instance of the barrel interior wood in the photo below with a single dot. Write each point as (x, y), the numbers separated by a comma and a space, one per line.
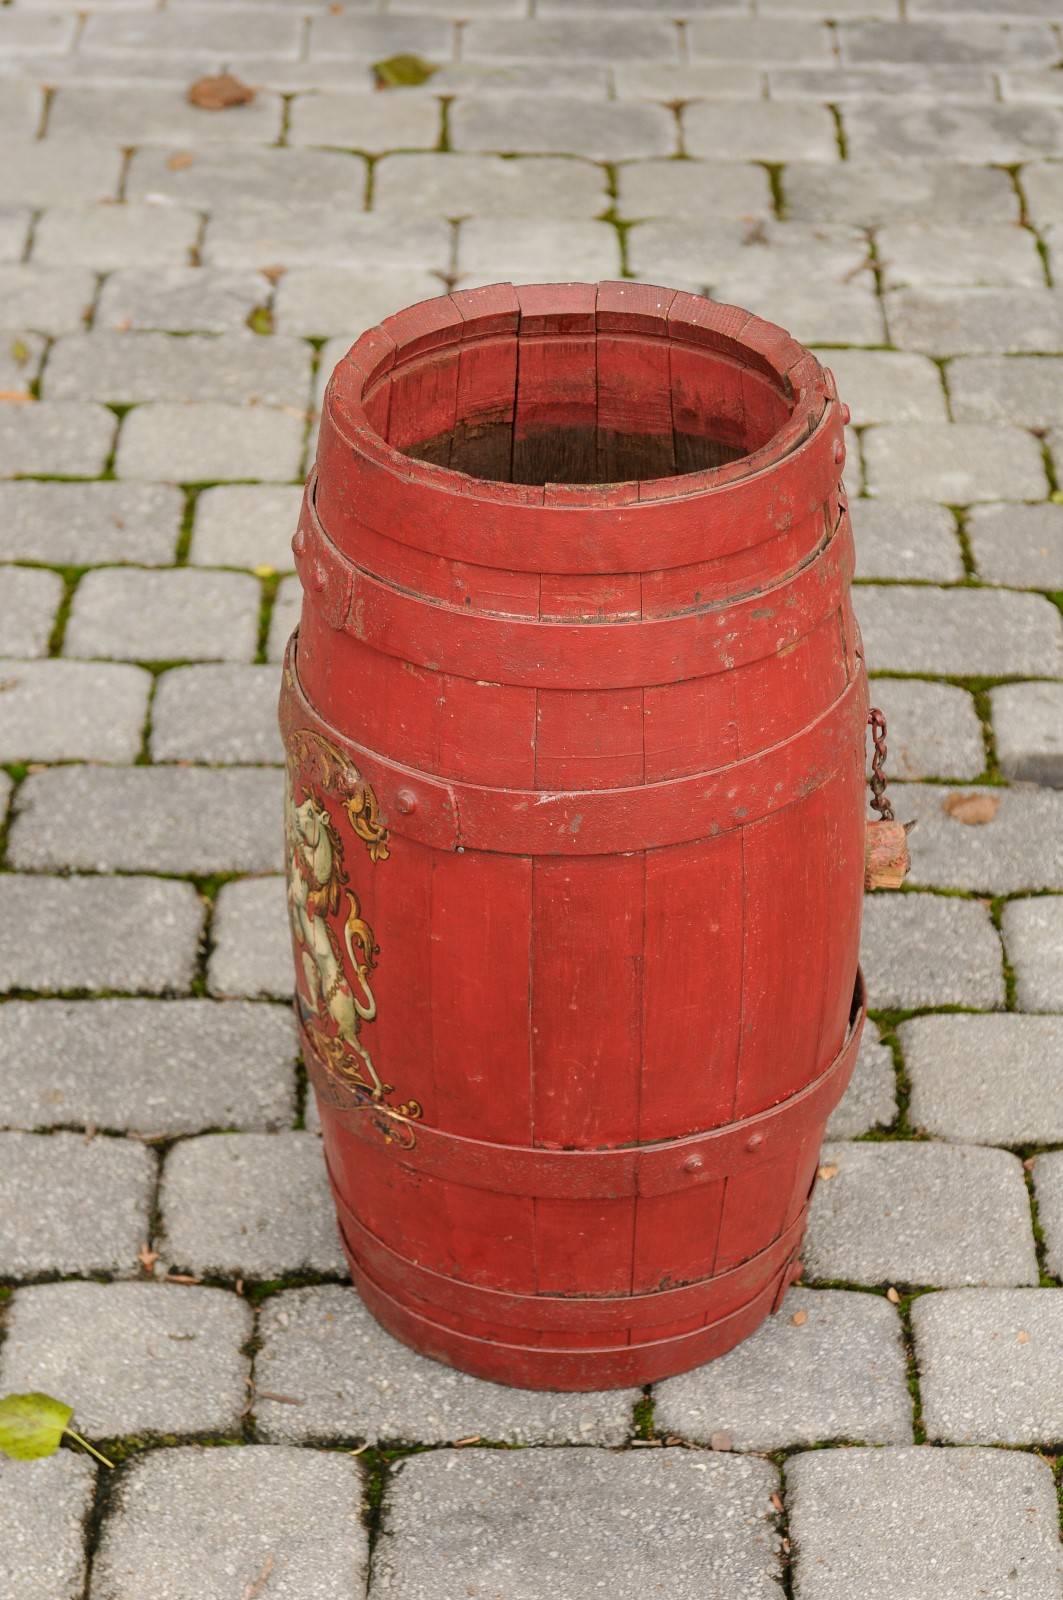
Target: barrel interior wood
(602, 406)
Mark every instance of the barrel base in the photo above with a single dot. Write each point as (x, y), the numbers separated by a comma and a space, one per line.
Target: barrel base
(574, 1370)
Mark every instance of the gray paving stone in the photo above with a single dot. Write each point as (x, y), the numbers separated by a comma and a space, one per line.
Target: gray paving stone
(901, 42)
(250, 1205)
(466, 185)
(871, 193)
(694, 188)
(1028, 390)
(1030, 84)
(937, 1524)
(839, 1374)
(285, 618)
(923, 80)
(915, 253)
(1042, 184)
(948, 322)
(137, 935)
(571, 38)
(342, 36)
(223, 714)
(54, 439)
(154, 115)
(538, 251)
(146, 1066)
(354, 1381)
(958, 632)
(926, 950)
(289, 236)
(669, 83)
(871, 1098)
(200, 443)
(252, 947)
(174, 615)
(848, 312)
(181, 299)
(290, 1513)
(1028, 722)
(934, 731)
(23, 33)
(132, 1358)
(55, 172)
(910, 1212)
(527, 124)
(68, 1204)
(110, 236)
(1048, 1186)
(1021, 847)
(879, 130)
(14, 231)
(137, 32)
(371, 122)
(20, 110)
(886, 386)
(75, 524)
(67, 711)
(129, 368)
(955, 462)
(263, 176)
(986, 1079)
(989, 1364)
(905, 539)
(560, 1522)
(149, 819)
(44, 1506)
(29, 600)
(1033, 937)
(20, 361)
(319, 302)
(245, 525)
(760, 130)
(764, 40)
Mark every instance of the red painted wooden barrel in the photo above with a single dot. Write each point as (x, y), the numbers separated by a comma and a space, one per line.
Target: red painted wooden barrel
(575, 731)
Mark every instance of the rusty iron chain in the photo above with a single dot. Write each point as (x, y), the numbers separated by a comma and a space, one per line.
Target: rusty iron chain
(880, 802)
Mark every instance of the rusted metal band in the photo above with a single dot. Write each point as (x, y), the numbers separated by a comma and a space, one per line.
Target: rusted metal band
(650, 1169)
(527, 653)
(559, 1367)
(451, 815)
(398, 1275)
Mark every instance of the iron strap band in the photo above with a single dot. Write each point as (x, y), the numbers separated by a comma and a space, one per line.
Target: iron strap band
(398, 1275)
(526, 653)
(568, 1367)
(650, 1169)
(625, 528)
(448, 814)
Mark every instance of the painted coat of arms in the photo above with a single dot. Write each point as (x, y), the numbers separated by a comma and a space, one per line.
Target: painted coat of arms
(336, 949)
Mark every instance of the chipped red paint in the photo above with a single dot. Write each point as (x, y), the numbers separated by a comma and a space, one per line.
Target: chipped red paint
(575, 821)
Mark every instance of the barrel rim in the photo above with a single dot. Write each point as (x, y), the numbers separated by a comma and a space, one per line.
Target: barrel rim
(467, 315)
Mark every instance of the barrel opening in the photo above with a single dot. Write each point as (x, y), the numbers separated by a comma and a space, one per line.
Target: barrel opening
(556, 391)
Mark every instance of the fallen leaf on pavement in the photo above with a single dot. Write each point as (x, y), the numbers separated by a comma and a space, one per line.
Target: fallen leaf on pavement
(892, 1296)
(799, 1319)
(402, 72)
(180, 158)
(828, 1172)
(256, 1586)
(147, 1258)
(721, 1441)
(15, 397)
(219, 93)
(972, 809)
(1022, 1337)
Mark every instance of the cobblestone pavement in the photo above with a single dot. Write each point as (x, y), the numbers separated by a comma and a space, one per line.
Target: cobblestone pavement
(884, 177)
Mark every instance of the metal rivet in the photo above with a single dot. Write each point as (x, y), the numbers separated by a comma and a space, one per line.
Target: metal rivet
(299, 542)
(754, 1141)
(839, 452)
(847, 415)
(693, 1164)
(318, 578)
(406, 801)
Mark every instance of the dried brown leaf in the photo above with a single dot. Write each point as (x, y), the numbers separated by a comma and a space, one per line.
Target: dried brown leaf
(1022, 1337)
(972, 809)
(15, 397)
(892, 1296)
(828, 1172)
(256, 1586)
(799, 1319)
(180, 158)
(776, 1501)
(147, 1257)
(721, 1441)
(219, 92)
(281, 1399)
